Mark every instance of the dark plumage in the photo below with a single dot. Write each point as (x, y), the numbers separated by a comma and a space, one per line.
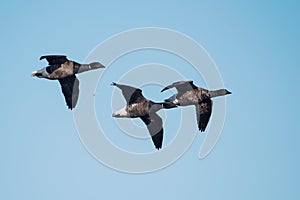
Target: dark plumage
(64, 70)
(140, 107)
(189, 94)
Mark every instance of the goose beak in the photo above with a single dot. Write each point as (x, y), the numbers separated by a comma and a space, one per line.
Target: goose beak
(228, 92)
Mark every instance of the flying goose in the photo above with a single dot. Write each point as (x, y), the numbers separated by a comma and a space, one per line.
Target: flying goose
(139, 106)
(64, 70)
(189, 94)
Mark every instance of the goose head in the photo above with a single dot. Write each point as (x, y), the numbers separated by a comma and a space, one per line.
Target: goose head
(96, 65)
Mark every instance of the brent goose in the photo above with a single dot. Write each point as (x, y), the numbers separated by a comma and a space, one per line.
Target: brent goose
(64, 70)
(139, 106)
(189, 94)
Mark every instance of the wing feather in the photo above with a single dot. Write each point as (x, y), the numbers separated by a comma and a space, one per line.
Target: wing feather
(203, 111)
(155, 128)
(70, 90)
(55, 59)
(131, 94)
(181, 86)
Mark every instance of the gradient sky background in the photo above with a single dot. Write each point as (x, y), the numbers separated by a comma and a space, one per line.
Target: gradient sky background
(256, 48)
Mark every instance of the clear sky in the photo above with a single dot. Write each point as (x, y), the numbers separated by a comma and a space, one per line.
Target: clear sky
(256, 48)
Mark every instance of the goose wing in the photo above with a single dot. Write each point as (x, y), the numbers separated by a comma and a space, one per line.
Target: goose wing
(203, 111)
(155, 128)
(55, 59)
(70, 89)
(131, 94)
(181, 86)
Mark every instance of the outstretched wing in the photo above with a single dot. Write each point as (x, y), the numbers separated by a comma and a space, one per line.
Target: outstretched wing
(203, 111)
(131, 94)
(70, 89)
(181, 86)
(155, 128)
(55, 59)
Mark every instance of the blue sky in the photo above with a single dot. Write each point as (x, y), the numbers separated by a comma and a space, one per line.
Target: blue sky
(256, 48)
